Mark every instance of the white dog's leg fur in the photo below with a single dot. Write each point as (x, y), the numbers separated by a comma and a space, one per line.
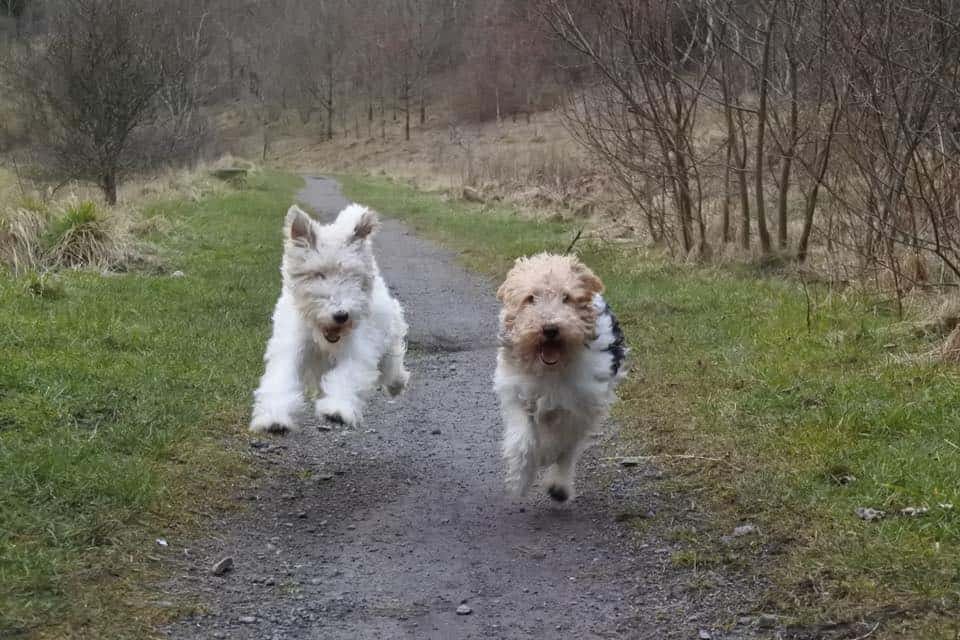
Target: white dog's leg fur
(559, 478)
(393, 375)
(344, 386)
(280, 393)
(519, 447)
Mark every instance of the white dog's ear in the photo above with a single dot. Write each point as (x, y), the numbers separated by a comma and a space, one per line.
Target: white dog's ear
(366, 224)
(300, 228)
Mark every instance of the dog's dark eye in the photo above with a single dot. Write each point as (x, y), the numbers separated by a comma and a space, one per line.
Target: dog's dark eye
(529, 299)
(319, 275)
(566, 298)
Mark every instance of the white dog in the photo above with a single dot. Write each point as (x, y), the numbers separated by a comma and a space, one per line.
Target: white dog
(336, 328)
(561, 355)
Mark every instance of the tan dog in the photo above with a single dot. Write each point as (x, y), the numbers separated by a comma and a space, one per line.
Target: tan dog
(561, 355)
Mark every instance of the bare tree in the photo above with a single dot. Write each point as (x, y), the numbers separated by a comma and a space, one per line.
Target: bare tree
(94, 85)
(639, 52)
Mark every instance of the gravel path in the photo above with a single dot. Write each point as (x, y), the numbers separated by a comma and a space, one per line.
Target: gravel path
(386, 530)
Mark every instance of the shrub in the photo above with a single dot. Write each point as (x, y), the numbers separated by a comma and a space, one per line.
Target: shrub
(83, 235)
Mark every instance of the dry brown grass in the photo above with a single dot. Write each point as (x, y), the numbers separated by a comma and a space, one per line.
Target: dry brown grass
(43, 230)
(20, 230)
(951, 348)
(536, 165)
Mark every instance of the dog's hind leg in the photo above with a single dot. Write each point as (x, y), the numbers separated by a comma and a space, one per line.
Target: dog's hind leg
(519, 447)
(280, 392)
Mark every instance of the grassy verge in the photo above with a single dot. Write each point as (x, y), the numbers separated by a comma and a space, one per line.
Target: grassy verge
(770, 419)
(116, 394)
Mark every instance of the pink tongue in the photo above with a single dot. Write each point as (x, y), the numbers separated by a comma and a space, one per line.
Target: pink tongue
(549, 353)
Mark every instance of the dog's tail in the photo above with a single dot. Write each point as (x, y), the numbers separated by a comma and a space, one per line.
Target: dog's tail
(358, 221)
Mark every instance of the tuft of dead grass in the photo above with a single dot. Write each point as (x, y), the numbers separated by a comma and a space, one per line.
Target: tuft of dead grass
(20, 230)
(68, 229)
(82, 234)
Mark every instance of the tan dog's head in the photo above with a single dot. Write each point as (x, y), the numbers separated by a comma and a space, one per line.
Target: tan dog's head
(548, 310)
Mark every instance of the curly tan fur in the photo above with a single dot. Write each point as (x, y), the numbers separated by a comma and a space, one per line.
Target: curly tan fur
(545, 292)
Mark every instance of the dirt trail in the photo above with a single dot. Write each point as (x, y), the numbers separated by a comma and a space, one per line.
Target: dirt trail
(383, 531)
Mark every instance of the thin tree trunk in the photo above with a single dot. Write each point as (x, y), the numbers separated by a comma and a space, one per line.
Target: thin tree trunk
(108, 184)
(761, 131)
(725, 211)
(811, 204)
(406, 112)
(330, 106)
(742, 160)
(423, 105)
(782, 231)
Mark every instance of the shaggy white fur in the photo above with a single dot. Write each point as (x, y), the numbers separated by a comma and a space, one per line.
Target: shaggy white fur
(561, 356)
(337, 331)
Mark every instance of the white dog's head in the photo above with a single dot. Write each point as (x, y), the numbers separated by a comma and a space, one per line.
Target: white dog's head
(330, 269)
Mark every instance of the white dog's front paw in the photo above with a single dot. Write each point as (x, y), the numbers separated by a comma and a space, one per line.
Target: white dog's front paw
(398, 384)
(559, 483)
(337, 411)
(268, 421)
(518, 483)
(559, 491)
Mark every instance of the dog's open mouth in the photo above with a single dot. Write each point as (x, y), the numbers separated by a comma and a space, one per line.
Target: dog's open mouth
(550, 352)
(332, 335)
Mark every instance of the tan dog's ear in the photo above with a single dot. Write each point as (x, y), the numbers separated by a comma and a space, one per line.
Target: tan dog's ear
(588, 279)
(504, 291)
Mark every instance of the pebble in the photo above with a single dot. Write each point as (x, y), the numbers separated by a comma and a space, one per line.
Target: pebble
(704, 635)
(631, 461)
(222, 566)
(744, 530)
(767, 621)
(178, 274)
(248, 619)
(464, 610)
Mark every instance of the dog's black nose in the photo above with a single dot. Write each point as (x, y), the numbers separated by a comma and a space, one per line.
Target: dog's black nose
(340, 317)
(550, 331)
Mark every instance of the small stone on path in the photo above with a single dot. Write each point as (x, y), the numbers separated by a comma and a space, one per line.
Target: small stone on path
(464, 610)
(767, 621)
(248, 619)
(222, 566)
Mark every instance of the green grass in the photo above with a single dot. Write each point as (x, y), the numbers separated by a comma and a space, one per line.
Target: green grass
(761, 416)
(117, 398)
